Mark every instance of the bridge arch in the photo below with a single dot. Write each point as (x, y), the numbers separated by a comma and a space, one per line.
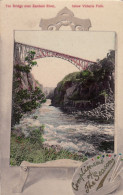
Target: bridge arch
(51, 71)
(21, 51)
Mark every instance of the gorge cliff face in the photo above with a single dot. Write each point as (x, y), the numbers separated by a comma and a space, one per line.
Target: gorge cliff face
(27, 92)
(89, 88)
(28, 81)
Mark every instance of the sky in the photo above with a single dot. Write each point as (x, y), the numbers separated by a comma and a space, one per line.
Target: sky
(84, 44)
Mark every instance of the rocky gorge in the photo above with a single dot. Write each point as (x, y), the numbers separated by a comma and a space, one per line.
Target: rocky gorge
(60, 123)
(90, 93)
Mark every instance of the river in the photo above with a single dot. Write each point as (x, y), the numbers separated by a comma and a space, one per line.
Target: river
(70, 132)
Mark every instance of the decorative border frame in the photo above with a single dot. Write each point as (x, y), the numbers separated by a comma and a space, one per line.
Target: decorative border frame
(65, 17)
(6, 119)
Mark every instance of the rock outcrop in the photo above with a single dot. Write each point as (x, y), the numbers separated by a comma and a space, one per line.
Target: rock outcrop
(28, 80)
(88, 89)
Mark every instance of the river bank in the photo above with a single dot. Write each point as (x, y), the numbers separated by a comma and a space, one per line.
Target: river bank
(104, 113)
(33, 149)
(65, 134)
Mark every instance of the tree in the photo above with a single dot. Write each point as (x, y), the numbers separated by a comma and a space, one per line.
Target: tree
(25, 100)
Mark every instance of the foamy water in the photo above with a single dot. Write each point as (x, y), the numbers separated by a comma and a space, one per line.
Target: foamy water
(67, 131)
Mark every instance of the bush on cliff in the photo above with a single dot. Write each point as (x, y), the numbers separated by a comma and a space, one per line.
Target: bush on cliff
(94, 85)
(24, 100)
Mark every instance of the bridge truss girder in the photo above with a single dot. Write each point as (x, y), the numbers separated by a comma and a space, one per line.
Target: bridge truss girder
(21, 51)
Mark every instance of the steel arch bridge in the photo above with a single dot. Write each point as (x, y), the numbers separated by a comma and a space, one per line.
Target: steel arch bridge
(21, 51)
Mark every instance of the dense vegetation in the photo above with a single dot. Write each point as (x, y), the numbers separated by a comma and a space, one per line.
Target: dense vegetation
(25, 97)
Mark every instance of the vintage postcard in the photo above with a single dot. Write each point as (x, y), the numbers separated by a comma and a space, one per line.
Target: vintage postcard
(61, 91)
(63, 95)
